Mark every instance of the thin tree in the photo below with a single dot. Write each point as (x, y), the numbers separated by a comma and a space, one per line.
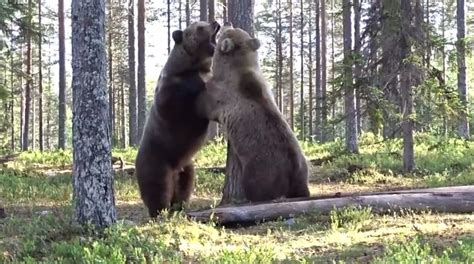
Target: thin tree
(279, 57)
(62, 78)
(357, 64)
(292, 105)
(111, 69)
(26, 127)
(132, 85)
(463, 128)
(122, 112)
(40, 80)
(141, 89)
(310, 70)
(93, 193)
(324, 112)
(12, 97)
(349, 98)
(318, 108)
(302, 108)
(168, 16)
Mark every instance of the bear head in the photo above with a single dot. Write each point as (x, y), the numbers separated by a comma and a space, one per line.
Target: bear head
(197, 42)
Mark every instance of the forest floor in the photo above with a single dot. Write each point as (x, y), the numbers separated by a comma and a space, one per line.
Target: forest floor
(36, 192)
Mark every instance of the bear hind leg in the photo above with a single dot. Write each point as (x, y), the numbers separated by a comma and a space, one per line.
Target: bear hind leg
(184, 185)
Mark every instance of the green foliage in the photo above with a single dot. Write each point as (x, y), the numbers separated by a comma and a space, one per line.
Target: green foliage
(351, 218)
(420, 251)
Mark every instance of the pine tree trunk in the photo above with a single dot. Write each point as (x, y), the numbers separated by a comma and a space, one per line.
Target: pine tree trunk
(62, 79)
(111, 72)
(348, 88)
(405, 89)
(224, 10)
(203, 10)
(302, 108)
(123, 143)
(333, 70)
(12, 100)
(22, 100)
(40, 81)
(324, 112)
(26, 127)
(241, 15)
(443, 54)
(318, 108)
(310, 71)
(212, 13)
(291, 95)
(357, 64)
(188, 13)
(168, 16)
(280, 58)
(132, 84)
(463, 128)
(141, 88)
(93, 193)
(33, 111)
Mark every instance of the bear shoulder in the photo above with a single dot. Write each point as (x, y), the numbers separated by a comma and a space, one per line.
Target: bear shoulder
(251, 85)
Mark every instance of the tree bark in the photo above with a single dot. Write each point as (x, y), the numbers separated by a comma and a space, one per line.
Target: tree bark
(292, 104)
(12, 99)
(132, 84)
(351, 118)
(302, 108)
(168, 16)
(122, 113)
(324, 111)
(22, 99)
(203, 10)
(241, 15)
(26, 127)
(62, 79)
(357, 64)
(93, 193)
(188, 13)
(141, 88)
(318, 92)
(111, 71)
(40, 80)
(463, 128)
(310, 71)
(212, 15)
(447, 200)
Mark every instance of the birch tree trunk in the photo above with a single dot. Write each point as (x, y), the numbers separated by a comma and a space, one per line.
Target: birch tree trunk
(93, 193)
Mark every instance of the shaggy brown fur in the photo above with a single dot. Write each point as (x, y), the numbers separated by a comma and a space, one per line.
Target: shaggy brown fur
(271, 159)
(174, 132)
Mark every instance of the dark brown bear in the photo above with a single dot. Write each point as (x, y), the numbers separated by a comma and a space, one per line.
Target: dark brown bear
(174, 132)
(269, 156)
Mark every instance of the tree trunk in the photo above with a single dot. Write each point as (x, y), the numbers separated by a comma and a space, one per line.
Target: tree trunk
(12, 100)
(141, 89)
(324, 105)
(310, 71)
(348, 88)
(33, 110)
(357, 63)
(22, 99)
(188, 13)
(40, 81)
(122, 113)
(168, 16)
(317, 124)
(463, 128)
(333, 70)
(302, 108)
(28, 82)
(132, 84)
(62, 79)
(224, 10)
(93, 193)
(443, 54)
(241, 15)
(446, 200)
(203, 10)
(292, 105)
(212, 15)
(111, 71)
(280, 58)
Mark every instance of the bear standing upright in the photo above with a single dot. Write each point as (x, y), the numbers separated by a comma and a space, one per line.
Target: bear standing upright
(269, 156)
(174, 132)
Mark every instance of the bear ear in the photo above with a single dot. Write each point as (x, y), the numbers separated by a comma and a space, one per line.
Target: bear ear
(177, 36)
(253, 44)
(227, 45)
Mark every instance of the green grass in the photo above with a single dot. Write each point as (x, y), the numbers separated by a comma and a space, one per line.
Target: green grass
(36, 193)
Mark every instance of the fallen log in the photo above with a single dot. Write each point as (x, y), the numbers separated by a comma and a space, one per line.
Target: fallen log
(446, 199)
(8, 158)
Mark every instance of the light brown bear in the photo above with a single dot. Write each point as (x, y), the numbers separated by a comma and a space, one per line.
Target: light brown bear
(174, 132)
(237, 96)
